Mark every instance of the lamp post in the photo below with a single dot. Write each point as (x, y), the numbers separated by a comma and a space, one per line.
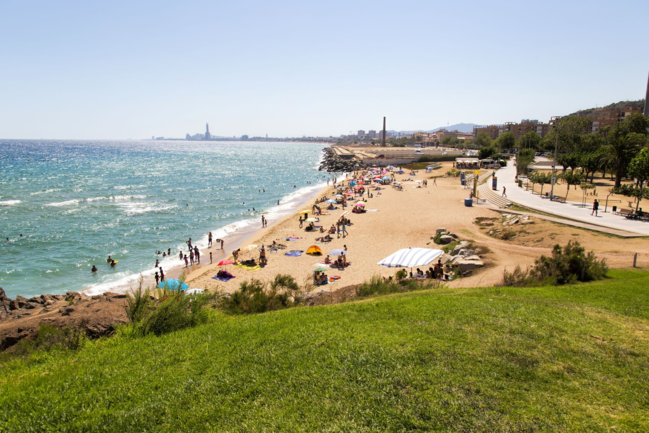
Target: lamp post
(555, 123)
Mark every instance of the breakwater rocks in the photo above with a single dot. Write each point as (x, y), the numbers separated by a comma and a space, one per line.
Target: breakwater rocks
(332, 163)
(96, 316)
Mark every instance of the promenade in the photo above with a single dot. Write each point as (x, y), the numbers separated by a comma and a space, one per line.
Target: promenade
(571, 210)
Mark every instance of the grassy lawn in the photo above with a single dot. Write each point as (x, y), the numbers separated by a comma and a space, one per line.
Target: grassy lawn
(495, 359)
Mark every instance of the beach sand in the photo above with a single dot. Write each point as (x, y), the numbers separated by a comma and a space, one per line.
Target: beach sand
(402, 219)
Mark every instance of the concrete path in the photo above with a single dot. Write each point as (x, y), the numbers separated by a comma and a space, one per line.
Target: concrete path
(571, 210)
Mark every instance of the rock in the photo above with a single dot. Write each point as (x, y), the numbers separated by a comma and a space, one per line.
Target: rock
(31, 305)
(527, 222)
(21, 301)
(446, 239)
(46, 298)
(36, 300)
(65, 311)
(440, 231)
(466, 265)
(59, 297)
(3, 295)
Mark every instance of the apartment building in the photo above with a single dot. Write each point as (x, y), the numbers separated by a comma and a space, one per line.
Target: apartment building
(602, 118)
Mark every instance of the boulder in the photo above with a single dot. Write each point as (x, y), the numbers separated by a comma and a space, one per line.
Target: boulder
(3, 295)
(466, 265)
(440, 231)
(21, 301)
(446, 239)
(36, 300)
(526, 222)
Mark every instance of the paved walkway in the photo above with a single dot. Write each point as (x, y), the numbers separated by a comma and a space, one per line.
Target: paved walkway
(571, 210)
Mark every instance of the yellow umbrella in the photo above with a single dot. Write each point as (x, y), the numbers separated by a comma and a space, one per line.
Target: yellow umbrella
(304, 212)
(311, 220)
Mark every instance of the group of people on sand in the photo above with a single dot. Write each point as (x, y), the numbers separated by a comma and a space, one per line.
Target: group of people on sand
(438, 272)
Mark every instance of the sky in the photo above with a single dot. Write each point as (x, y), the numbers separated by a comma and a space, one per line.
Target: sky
(135, 69)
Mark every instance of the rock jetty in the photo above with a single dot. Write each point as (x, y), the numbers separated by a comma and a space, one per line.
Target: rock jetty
(332, 163)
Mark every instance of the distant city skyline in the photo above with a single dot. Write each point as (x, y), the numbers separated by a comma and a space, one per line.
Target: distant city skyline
(123, 69)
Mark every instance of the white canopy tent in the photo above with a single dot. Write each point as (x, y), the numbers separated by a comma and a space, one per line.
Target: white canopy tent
(410, 257)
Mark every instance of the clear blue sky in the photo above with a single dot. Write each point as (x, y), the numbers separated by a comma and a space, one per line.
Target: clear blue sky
(132, 69)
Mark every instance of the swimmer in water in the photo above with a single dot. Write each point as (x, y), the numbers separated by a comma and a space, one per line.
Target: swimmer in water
(94, 268)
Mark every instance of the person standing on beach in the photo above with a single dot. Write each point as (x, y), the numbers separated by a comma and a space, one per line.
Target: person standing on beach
(157, 279)
(209, 240)
(162, 275)
(301, 221)
(210, 257)
(221, 243)
(186, 261)
(263, 222)
(180, 256)
(435, 181)
(595, 207)
(197, 254)
(191, 257)
(157, 263)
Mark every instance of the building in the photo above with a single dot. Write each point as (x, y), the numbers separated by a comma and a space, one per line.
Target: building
(602, 118)
(207, 132)
(518, 129)
(371, 134)
(361, 133)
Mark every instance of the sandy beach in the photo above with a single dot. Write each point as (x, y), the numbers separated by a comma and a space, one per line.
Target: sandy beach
(394, 220)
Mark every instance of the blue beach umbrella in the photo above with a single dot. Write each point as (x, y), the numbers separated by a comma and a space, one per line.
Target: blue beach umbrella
(337, 252)
(352, 183)
(172, 285)
(331, 201)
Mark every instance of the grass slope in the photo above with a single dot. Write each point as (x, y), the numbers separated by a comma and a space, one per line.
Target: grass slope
(493, 359)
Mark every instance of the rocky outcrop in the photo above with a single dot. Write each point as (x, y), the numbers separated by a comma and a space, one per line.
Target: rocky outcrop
(97, 316)
(332, 163)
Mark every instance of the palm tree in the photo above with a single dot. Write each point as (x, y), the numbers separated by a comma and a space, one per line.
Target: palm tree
(621, 150)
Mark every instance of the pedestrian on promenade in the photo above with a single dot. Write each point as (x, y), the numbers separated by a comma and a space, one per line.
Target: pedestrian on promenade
(504, 192)
(595, 207)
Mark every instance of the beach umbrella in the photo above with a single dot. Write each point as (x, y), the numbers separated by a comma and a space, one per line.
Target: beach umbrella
(418, 181)
(359, 205)
(344, 213)
(304, 212)
(352, 183)
(337, 252)
(338, 195)
(331, 201)
(311, 220)
(320, 270)
(387, 177)
(410, 257)
(172, 285)
(225, 262)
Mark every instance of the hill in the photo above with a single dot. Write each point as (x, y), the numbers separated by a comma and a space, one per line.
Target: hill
(616, 105)
(487, 359)
(467, 128)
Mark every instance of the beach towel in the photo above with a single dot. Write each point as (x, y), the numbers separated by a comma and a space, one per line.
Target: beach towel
(371, 210)
(292, 239)
(294, 253)
(248, 268)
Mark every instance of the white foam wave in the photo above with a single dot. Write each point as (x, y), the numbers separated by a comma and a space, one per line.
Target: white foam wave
(65, 203)
(128, 197)
(47, 191)
(9, 202)
(136, 208)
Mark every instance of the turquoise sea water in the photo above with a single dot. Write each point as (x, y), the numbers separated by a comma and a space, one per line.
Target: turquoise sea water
(76, 202)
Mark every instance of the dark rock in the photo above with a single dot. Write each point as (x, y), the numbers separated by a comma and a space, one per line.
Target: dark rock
(46, 298)
(66, 311)
(3, 295)
(59, 297)
(21, 301)
(36, 300)
(31, 305)
(112, 295)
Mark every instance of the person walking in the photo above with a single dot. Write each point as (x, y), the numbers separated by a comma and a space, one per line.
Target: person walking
(595, 207)
(209, 240)
(504, 192)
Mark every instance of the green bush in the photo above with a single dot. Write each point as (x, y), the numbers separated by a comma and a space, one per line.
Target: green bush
(173, 311)
(256, 297)
(436, 158)
(566, 265)
(378, 286)
(48, 338)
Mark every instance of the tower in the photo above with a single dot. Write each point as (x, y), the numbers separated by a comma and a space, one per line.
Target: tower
(207, 131)
(383, 143)
(646, 100)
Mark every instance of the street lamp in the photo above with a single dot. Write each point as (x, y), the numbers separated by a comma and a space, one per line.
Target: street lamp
(555, 123)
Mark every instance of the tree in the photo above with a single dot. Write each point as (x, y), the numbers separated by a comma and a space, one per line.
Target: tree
(506, 140)
(543, 179)
(523, 160)
(447, 139)
(572, 178)
(639, 170)
(483, 139)
(487, 152)
(530, 140)
(635, 122)
(621, 150)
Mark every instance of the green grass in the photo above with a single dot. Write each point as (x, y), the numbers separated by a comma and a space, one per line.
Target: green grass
(572, 358)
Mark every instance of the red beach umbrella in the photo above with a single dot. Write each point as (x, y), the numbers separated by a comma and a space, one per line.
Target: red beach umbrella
(225, 262)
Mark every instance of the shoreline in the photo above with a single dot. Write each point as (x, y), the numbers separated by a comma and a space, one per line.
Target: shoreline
(240, 232)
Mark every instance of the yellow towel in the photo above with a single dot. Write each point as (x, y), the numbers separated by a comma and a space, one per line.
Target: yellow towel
(248, 268)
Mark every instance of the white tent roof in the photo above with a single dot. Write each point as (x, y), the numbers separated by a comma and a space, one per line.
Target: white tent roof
(410, 257)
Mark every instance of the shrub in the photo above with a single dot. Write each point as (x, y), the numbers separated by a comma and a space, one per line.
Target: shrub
(138, 304)
(49, 338)
(378, 286)
(256, 297)
(173, 311)
(566, 265)
(436, 158)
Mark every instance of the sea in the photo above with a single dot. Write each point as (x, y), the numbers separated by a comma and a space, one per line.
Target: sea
(67, 205)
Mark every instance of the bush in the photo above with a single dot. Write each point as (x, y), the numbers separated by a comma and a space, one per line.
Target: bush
(48, 338)
(567, 265)
(378, 286)
(175, 311)
(436, 158)
(255, 297)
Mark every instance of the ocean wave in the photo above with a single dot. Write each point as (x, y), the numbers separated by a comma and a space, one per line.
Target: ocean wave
(47, 191)
(9, 202)
(136, 208)
(128, 197)
(65, 203)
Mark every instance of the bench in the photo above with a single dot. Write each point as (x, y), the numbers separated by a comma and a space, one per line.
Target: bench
(624, 212)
